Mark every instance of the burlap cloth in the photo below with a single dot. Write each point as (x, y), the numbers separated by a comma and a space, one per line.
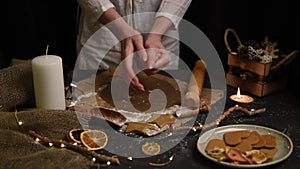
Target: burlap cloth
(18, 149)
(16, 85)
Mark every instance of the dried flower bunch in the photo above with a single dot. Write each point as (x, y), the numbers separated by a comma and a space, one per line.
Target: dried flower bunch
(264, 52)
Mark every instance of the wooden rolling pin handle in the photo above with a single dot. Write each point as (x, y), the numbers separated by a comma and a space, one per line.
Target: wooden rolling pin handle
(192, 97)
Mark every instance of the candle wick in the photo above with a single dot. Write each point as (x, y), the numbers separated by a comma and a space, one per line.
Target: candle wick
(47, 49)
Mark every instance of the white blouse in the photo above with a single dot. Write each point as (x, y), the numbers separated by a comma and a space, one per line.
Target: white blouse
(97, 47)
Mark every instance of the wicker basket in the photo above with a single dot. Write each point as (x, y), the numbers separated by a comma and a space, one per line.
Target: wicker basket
(257, 78)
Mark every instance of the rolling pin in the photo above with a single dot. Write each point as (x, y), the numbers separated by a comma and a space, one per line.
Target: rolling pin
(195, 86)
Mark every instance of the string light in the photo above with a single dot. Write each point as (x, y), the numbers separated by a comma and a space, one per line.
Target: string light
(130, 158)
(61, 143)
(73, 85)
(20, 123)
(108, 162)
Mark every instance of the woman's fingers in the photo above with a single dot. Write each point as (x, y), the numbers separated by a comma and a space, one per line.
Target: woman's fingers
(157, 59)
(139, 47)
(135, 83)
(162, 59)
(128, 73)
(151, 58)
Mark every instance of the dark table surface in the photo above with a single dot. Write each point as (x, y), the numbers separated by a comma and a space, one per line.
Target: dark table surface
(283, 114)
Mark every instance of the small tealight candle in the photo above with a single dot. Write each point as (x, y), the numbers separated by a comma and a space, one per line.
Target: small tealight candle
(48, 82)
(240, 98)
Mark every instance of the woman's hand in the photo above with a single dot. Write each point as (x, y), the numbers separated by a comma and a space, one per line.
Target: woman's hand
(156, 52)
(129, 46)
(131, 42)
(158, 57)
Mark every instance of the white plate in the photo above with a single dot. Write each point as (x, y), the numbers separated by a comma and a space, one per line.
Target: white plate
(284, 143)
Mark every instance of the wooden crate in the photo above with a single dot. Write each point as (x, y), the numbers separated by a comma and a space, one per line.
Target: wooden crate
(257, 78)
(253, 77)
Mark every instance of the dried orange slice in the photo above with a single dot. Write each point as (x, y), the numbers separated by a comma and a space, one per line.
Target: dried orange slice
(74, 135)
(151, 148)
(257, 156)
(94, 139)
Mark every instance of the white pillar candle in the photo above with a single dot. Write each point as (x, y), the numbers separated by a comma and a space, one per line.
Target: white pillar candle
(48, 82)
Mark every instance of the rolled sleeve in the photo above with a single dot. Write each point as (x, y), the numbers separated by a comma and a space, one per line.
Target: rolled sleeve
(93, 9)
(173, 10)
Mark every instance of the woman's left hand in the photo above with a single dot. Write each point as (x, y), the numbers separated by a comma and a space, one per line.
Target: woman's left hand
(157, 56)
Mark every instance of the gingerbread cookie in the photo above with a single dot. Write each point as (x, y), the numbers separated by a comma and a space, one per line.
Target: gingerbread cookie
(244, 146)
(163, 120)
(235, 137)
(270, 152)
(270, 141)
(261, 143)
(214, 144)
(139, 127)
(253, 138)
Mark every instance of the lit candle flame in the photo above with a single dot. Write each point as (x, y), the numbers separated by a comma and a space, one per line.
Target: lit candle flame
(241, 98)
(238, 94)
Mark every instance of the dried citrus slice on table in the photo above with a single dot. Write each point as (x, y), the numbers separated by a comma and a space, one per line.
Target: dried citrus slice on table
(74, 135)
(151, 148)
(94, 139)
(257, 156)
